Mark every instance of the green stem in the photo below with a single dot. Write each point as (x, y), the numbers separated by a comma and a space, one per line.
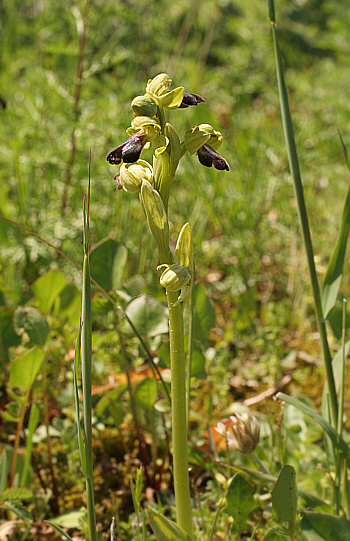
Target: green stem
(302, 213)
(86, 359)
(179, 425)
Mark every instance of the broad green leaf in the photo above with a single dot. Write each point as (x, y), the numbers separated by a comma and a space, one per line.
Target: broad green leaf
(198, 363)
(145, 393)
(107, 262)
(23, 369)
(172, 100)
(147, 315)
(204, 314)
(337, 440)
(164, 529)
(14, 494)
(8, 337)
(240, 500)
(47, 289)
(59, 529)
(284, 497)
(163, 406)
(70, 519)
(334, 272)
(110, 396)
(325, 527)
(70, 304)
(30, 320)
(117, 412)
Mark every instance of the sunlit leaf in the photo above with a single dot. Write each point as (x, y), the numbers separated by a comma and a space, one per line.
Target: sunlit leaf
(23, 369)
(145, 393)
(47, 289)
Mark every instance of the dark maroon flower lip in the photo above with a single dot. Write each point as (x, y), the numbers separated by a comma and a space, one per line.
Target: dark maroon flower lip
(209, 157)
(190, 99)
(129, 151)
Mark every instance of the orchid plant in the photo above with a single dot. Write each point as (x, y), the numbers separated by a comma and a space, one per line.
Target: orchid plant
(150, 127)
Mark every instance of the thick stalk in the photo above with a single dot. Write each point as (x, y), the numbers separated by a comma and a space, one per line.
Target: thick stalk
(179, 424)
(86, 359)
(303, 218)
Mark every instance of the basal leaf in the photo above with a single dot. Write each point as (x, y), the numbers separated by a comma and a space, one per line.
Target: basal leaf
(284, 496)
(240, 500)
(325, 527)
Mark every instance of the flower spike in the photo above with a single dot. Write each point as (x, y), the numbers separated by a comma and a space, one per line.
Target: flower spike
(208, 157)
(190, 99)
(129, 151)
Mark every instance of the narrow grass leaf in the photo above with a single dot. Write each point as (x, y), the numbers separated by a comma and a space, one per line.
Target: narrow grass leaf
(334, 272)
(33, 423)
(59, 529)
(337, 440)
(337, 371)
(345, 152)
(164, 529)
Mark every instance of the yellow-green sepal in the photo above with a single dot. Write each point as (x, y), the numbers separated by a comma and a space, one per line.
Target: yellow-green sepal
(159, 84)
(172, 100)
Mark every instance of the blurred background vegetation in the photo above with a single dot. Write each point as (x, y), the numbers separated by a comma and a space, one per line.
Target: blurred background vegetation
(69, 71)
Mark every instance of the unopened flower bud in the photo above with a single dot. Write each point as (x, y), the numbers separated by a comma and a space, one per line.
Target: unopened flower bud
(132, 175)
(174, 277)
(144, 106)
(159, 84)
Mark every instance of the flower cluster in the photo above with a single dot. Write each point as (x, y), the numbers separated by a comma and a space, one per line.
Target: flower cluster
(243, 434)
(150, 128)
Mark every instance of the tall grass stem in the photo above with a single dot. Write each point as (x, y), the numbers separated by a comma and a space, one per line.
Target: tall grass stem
(302, 213)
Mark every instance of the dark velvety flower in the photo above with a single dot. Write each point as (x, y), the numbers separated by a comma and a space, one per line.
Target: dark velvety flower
(129, 151)
(208, 157)
(190, 99)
